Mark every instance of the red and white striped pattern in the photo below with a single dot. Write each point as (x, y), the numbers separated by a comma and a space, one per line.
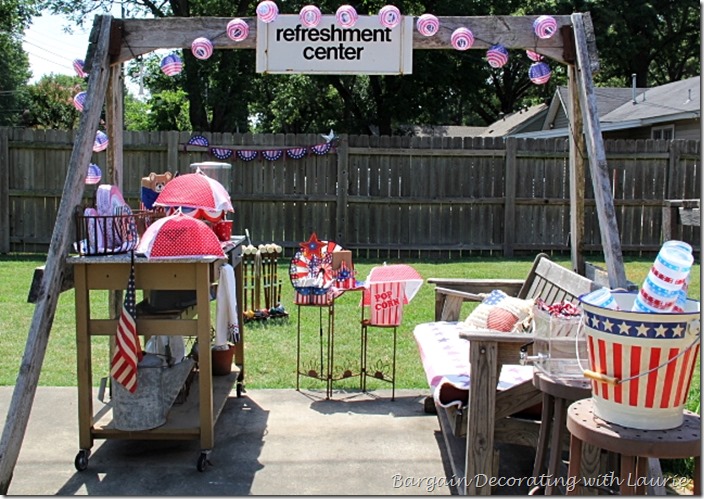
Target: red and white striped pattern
(386, 303)
(128, 351)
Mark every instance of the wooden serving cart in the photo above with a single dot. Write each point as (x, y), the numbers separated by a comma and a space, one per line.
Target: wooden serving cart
(196, 417)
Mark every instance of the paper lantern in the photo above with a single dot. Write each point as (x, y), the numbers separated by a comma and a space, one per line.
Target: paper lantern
(171, 65)
(101, 141)
(267, 11)
(202, 48)
(539, 73)
(94, 174)
(237, 30)
(545, 26)
(79, 101)
(78, 68)
(310, 16)
(346, 16)
(389, 16)
(497, 56)
(427, 25)
(462, 39)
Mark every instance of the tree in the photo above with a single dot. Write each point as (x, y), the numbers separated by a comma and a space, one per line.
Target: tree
(14, 63)
(50, 102)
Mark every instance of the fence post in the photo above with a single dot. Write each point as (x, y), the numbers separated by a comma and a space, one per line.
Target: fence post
(4, 190)
(342, 190)
(510, 196)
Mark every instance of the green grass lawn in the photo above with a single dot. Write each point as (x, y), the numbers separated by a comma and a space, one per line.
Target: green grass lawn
(270, 346)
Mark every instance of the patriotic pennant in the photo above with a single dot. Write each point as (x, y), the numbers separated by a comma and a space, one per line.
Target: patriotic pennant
(198, 140)
(272, 155)
(321, 149)
(221, 153)
(247, 155)
(297, 152)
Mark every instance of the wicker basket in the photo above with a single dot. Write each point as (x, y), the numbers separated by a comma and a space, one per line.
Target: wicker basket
(111, 234)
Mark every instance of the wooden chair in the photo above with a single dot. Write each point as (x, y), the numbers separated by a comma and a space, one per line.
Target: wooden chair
(489, 416)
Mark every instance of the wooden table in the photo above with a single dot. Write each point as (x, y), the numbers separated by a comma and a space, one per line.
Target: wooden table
(634, 446)
(197, 417)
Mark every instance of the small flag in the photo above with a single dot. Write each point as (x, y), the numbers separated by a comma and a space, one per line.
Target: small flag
(128, 351)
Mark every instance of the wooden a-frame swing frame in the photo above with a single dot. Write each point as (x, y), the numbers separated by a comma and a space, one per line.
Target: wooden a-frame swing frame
(115, 41)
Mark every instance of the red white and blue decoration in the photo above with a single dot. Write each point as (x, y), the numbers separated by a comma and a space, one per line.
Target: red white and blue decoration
(389, 16)
(202, 48)
(545, 26)
(94, 174)
(171, 65)
(346, 16)
(79, 101)
(237, 30)
(427, 25)
(198, 142)
(534, 56)
(497, 56)
(267, 11)
(310, 16)
(78, 68)
(539, 73)
(462, 39)
(101, 141)
(311, 272)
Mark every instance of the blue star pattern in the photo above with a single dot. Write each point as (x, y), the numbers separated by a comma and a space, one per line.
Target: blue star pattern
(638, 328)
(495, 297)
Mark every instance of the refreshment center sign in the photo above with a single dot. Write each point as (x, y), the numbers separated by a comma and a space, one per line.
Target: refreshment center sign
(286, 46)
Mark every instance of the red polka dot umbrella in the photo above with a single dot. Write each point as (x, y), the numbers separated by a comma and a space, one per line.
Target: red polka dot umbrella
(179, 236)
(196, 191)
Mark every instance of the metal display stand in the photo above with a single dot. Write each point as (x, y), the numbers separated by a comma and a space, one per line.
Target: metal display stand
(323, 368)
(194, 419)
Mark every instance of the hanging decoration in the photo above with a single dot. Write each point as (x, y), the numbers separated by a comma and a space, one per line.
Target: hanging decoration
(221, 153)
(545, 26)
(497, 56)
(78, 68)
(389, 16)
(310, 16)
(94, 174)
(202, 48)
(171, 65)
(101, 141)
(198, 140)
(237, 30)
(225, 152)
(462, 39)
(346, 16)
(79, 101)
(534, 56)
(267, 11)
(247, 155)
(427, 25)
(539, 73)
(272, 155)
(297, 152)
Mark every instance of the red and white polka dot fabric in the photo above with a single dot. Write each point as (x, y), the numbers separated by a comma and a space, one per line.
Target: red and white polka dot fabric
(179, 236)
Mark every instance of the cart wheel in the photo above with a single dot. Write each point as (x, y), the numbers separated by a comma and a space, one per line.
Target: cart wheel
(81, 461)
(202, 461)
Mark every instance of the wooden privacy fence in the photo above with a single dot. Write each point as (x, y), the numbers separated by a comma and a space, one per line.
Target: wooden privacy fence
(378, 196)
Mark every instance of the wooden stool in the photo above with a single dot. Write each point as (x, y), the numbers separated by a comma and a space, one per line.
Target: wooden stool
(633, 445)
(556, 395)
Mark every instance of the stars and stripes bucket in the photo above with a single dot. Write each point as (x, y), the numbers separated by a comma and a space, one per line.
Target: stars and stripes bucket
(641, 364)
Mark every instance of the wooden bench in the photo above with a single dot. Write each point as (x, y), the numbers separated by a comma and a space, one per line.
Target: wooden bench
(470, 433)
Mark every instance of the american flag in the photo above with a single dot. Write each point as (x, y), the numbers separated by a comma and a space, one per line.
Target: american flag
(128, 351)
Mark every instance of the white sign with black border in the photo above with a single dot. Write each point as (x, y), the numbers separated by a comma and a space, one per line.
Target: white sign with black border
(286, 46)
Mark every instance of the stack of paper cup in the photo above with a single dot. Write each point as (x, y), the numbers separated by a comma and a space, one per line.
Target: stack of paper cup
(682, 294)
(665, 280)
(601, 298)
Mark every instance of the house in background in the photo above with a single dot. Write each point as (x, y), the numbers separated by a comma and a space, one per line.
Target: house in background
(670, 111)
